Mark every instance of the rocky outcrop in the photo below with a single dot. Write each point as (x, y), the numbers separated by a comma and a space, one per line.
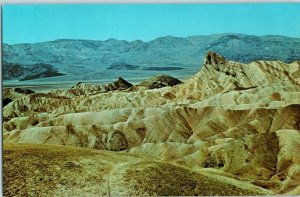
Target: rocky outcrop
(160, 81)
(23, 91)
(86, 89)
(212, 58)
(10, 94)
(14, 93)
(120, 84)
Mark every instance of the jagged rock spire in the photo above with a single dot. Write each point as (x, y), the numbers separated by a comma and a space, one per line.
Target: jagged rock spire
(213, 58)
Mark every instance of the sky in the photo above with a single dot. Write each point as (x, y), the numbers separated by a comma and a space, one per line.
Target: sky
(38, 23)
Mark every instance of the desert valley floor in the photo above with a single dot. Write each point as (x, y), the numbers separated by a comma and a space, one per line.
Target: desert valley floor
(231, 129)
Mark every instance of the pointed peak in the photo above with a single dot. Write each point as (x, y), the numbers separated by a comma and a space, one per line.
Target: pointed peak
(122, 80)
(213, 58)
(122, 83)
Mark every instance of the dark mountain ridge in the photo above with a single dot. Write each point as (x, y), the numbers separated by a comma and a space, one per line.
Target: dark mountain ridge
(28, 72)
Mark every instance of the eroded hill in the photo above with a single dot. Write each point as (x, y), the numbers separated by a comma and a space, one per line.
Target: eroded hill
(233, 120)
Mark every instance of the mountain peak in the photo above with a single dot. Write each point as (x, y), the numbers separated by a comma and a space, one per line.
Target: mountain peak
(122, 83)
(212, 58)
(160, 81)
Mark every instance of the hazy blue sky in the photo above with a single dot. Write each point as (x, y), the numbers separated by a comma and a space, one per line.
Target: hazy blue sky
(36, 23)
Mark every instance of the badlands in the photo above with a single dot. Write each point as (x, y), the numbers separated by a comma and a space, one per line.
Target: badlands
(231, 129)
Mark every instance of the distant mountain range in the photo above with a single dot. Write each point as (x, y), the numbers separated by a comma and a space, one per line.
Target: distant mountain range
(75, 57)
